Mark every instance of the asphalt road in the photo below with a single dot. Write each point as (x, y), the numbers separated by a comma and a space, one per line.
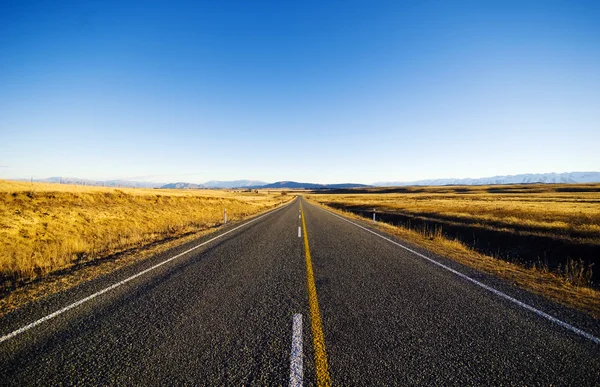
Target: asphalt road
(222, 314)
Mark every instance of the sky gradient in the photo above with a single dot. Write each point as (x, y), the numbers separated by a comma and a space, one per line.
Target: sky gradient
(325, 92)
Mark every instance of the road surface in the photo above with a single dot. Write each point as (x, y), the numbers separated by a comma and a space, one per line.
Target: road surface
(251, 307)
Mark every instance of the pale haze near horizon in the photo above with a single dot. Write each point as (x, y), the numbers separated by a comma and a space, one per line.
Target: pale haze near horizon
(346, 92)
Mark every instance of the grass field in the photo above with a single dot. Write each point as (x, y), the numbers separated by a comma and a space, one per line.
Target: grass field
(49, 227)
(544, 230)
(571, 211)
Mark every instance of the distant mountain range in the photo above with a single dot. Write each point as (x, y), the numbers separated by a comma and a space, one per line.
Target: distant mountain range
(529, 178)
(249, 184)
(294, 184)
(233, 184)
(99, 183)
(181, 185)
(213, 184)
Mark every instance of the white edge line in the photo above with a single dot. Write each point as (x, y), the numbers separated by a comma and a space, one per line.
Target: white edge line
(296, 372)
(486, 287)
(116, 285)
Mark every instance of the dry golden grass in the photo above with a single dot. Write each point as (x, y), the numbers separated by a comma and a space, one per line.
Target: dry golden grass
(49, 227)
(556, 221)
(540, 281)
(560, 211)
(74, 275)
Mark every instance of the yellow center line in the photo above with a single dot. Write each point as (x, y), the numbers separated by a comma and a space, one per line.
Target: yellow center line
(321, 366)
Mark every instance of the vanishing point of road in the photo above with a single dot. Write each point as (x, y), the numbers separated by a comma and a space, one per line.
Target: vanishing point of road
(298, 296)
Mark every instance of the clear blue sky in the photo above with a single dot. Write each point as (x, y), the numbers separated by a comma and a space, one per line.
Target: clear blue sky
(346, 91)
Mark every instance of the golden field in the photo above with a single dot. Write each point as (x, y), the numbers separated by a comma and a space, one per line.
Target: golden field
(542, 237)
(49, 227)
(560, 211)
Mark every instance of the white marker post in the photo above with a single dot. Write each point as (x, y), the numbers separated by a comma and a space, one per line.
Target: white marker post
(374, 211)
(225, 216)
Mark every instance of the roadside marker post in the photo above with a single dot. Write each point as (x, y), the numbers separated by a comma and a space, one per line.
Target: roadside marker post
(225, 216)
(374, 211)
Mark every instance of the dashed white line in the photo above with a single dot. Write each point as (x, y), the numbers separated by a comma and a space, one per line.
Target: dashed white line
(296, 372)
(114, 286)
(484, 286)
(299, 232)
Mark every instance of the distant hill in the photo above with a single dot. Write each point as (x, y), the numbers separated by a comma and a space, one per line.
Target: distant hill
(182, 185)
(297, 185)
(262, 185)
(98, 183)
(528, 178)
(213, 184)
(234, 184)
